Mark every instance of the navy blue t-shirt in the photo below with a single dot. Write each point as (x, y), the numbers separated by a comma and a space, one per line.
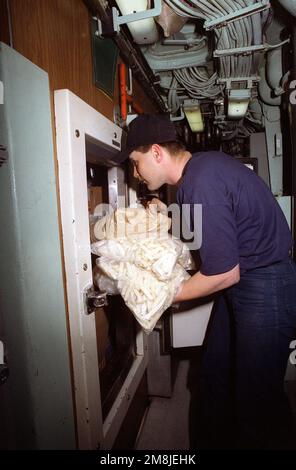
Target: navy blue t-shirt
(242, 223)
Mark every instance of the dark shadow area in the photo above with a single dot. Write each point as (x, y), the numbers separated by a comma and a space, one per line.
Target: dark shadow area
(211, 382)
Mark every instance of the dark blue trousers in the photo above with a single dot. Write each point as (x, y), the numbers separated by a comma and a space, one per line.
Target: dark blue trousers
(241, 399)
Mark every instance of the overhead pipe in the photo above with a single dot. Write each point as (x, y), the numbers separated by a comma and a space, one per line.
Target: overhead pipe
(125, 98)
(256, 110)
(274, 74)
(123, 94)
(257, 39)
(141, 70)
(265, 92)
(143, 31)
(137, 107)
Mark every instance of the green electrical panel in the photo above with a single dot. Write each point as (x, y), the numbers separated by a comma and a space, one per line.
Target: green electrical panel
(105, 53)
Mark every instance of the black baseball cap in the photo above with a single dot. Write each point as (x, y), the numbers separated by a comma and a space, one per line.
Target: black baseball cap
(148, 129)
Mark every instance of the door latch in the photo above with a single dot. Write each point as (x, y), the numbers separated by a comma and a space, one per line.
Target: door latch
(94, 299)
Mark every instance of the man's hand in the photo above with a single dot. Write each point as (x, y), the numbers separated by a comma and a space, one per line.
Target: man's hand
(156, 205)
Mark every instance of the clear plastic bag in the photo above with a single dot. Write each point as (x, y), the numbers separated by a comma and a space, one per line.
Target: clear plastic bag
(105, 283)
(146, 296)
(146, 268)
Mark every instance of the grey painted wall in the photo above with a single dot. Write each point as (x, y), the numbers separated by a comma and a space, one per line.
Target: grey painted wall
(37, 395)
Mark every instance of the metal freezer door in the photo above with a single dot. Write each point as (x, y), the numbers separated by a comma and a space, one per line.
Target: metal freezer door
(76, 125)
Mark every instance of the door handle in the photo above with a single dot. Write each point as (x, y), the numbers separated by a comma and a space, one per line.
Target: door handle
(94, 299)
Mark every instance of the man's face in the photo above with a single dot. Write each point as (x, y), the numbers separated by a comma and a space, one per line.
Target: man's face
(147, 168)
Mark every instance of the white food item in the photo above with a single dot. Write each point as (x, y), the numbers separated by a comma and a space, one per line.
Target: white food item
(145, 270)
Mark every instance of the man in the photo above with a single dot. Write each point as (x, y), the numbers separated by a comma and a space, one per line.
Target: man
(244, 254)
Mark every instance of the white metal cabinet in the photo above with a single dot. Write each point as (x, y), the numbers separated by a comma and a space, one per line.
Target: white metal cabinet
(76, 123)
(189, 326)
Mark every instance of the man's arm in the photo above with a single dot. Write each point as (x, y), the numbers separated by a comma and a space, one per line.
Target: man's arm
(200, 285)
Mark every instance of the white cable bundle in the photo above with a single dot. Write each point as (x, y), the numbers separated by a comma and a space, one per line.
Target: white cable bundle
(145, 271)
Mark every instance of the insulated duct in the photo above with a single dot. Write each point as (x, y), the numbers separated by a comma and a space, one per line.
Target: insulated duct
(265, 92)
(274, 74)
(143, 31)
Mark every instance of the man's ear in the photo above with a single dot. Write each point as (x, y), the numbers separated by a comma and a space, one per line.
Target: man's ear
(157, 152)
